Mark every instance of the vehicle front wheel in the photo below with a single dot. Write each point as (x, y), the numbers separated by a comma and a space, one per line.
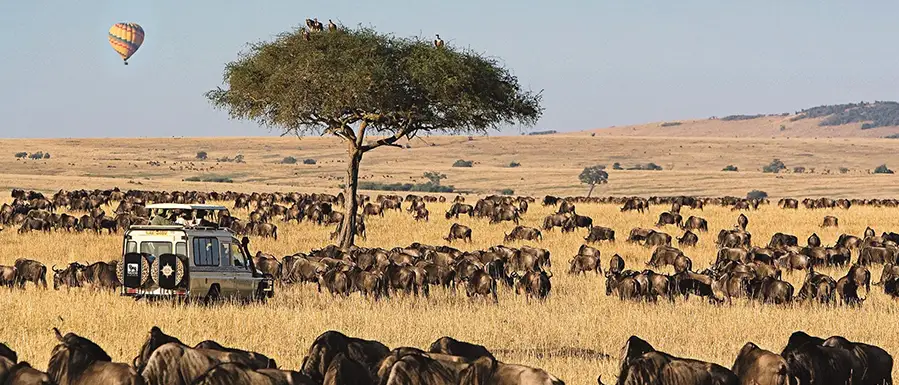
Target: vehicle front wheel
(261, 294)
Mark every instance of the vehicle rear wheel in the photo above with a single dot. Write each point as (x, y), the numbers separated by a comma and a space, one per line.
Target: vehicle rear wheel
(213, 294)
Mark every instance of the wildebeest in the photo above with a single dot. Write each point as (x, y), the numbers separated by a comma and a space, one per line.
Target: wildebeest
(756, 366)
(523, 233)
(258, 360)
(696, 223)
(780, 241)
(877, 363)
(480, 283)
(330, 343)
(742, 221)
(453, 347)
(23, 374)
(688, 239)
(30, 271)
(667, 218)
(533, 283)
(458, 231)
(640, 363)
(7, 276)
(811, 363)
(584, 263)
(830, 221)
(599, 233)
(656, 238)
(232, 373)
(79, 361)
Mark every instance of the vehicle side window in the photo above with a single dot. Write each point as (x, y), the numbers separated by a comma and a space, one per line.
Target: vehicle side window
(206, 251)
(181, 248)
(131, 247)
(226, 254)
(237, 256)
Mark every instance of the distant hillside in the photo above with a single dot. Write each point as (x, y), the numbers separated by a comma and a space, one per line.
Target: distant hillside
(854, 120)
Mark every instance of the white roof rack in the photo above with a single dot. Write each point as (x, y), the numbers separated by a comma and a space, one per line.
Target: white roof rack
(181, 206)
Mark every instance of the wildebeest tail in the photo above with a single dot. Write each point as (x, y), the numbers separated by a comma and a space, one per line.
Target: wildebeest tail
(275, 232)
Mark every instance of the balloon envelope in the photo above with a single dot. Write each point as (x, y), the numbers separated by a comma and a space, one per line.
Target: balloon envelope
(125, 39)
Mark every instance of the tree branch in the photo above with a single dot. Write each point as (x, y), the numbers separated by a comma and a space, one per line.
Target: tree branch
(391, 140)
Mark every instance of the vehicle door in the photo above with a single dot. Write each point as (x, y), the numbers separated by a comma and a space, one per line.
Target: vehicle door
(207, 266)
(244, 276)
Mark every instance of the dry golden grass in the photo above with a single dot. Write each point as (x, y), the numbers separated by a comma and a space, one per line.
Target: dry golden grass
(557, 335)
(549, 164)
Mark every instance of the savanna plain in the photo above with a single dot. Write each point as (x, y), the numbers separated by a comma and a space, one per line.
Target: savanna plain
(575, 334)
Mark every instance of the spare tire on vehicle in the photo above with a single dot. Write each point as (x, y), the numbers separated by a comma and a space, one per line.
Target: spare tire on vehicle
(168, 271)
(134, 271)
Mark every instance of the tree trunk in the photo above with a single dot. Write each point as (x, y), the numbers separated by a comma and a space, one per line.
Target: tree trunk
(351, 203)
(592, 185)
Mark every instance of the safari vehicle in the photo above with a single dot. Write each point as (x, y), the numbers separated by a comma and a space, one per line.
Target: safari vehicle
(189, 260)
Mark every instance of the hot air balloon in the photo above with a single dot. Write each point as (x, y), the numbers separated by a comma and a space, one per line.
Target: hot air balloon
(125, 39)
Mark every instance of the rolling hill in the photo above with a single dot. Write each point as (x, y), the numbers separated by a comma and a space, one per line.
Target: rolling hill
(854, 120)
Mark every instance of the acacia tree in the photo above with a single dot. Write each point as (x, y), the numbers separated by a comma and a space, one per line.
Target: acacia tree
(594, 175)
(370, 89)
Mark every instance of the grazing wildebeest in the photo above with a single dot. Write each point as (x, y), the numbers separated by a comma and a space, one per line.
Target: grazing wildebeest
(667, 218)
(831, 221)
(480, 283)
(664, 255)
(599, 233)
(640, 363)
(459, 208)
(23, 374)
(657, 238)
(780, 241)
(533, 283)
(756, 366)
(771, 290)
(523, 233)
(458, 231)
(813, 240)
(696, 223)
(584, 263)
(79, 361)
(688, 239)
(30, 271)
(453, 347)
(627, 287)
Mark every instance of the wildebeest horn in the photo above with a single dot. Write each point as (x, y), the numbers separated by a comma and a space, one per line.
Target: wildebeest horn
(58, 334)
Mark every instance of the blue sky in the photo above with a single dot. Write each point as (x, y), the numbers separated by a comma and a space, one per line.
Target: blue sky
(601, 63)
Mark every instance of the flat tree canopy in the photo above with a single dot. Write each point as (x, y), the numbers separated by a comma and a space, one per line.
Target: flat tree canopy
(594, 175)
(352, 83)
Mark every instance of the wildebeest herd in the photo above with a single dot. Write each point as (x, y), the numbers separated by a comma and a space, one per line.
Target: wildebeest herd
(741, 269)
(337, 359)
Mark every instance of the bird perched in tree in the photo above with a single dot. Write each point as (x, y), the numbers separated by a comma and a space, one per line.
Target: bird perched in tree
(318, 26)
(439, 42)
(310, 24)
(331, 26)
(306, 35)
